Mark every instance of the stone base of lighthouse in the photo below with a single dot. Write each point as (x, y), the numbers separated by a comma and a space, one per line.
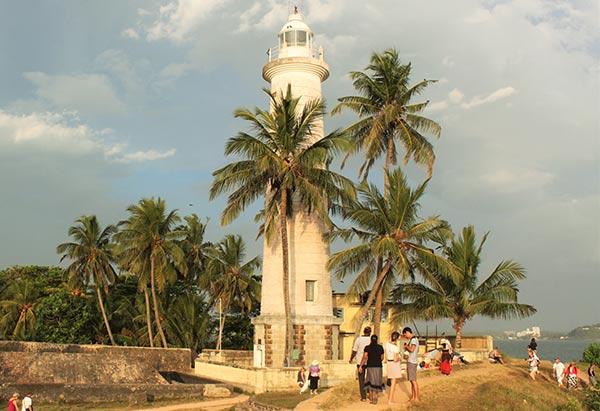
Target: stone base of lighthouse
(314, 338)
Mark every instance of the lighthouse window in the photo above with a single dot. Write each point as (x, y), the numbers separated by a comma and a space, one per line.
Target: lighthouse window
(290, 38)
(310, 290)
(301, 38)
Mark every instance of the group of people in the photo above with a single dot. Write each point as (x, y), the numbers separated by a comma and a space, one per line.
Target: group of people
(571, 373)
(26, 404)
(559, 370)
(314, 375)
(370, 355)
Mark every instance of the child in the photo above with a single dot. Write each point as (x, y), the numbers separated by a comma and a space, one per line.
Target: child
(313, 376)
(302, 383)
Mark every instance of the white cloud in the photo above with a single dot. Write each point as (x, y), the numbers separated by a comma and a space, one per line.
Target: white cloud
(490, 98)
(62, 133)
(90, 93)
(517, 180)
(130, 33)
(50, 130)
(176, 20)
(456, 96)
(479, 16)
(176, 70)
(140, 156)
(118, 63)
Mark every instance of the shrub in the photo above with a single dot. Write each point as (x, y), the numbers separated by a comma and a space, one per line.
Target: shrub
(591, 354)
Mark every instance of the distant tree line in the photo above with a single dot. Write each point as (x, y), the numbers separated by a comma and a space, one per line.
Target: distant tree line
(147, 281)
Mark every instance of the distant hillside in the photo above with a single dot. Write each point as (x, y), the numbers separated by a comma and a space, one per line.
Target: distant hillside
(586, 332)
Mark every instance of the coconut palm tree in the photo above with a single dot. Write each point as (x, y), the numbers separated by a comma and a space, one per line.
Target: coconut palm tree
(282, 161)
(148, 244)
(387, 115)
(17, 309)
(391, 239)
(195, 248)
(91, 253)
(189, 322)
(232, 282)
(461, 297)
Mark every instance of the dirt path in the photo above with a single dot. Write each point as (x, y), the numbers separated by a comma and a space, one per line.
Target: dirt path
(210, 405)
(402, 394)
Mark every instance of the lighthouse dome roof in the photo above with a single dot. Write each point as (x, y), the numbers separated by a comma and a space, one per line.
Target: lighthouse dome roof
(295, 22)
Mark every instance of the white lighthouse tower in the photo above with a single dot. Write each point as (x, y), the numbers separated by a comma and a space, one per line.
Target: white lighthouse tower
(315, 330)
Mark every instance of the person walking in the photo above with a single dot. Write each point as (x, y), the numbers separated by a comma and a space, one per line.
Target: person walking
(558, 369)
(412, 362)
(533, 346)
(591, 371)
(534, 363)
(357, 352)
(394, 371)
(27, 404)
(13, 402)
(314, 374)
(372, 361)
(572, 376)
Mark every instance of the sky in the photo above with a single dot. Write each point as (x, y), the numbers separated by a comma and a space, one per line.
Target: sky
(105, 103)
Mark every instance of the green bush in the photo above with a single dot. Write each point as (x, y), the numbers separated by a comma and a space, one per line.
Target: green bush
(591, 354)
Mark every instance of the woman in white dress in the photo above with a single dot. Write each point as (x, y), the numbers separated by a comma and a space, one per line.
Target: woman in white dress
(394, 372)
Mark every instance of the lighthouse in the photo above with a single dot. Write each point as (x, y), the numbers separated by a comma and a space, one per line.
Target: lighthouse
(295, 62)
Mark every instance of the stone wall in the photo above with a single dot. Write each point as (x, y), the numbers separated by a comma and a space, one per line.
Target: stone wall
(70, 373)
(42, 363)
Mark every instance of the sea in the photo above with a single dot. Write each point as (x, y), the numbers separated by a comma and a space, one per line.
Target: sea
(566, 350)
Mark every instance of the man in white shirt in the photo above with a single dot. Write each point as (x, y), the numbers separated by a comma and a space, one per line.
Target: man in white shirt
(558, 369)
(27, 403)
(411, 364)
(357, 352)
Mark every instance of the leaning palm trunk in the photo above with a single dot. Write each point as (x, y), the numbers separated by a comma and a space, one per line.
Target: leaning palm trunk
(148, 317)
(362, 313)
(378, 302)
(101, 304)
(155, 302)
(286, 281)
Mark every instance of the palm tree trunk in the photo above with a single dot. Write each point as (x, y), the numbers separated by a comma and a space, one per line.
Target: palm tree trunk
(378, 302)
(458, 325)
(155, 302)
(148, 317)
(377, 313)
(222, 312)
(362, 313)
(101, 304)
(388, 165)
(286, 280)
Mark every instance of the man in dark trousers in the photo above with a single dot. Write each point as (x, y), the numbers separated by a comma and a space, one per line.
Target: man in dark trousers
(357, 352)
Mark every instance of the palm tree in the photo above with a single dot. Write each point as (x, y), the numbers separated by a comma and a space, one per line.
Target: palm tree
(462, 297)
(91, 253)
(391, 239)
(189, 324)
(194, 247)
(283, 162)
(231, 281)
(387, 114)
(17, 315)
(148, 244)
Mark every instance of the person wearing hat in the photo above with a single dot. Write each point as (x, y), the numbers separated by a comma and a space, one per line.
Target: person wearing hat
(13, 402)
(27, 403)
(357, 352)
(313, 376)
